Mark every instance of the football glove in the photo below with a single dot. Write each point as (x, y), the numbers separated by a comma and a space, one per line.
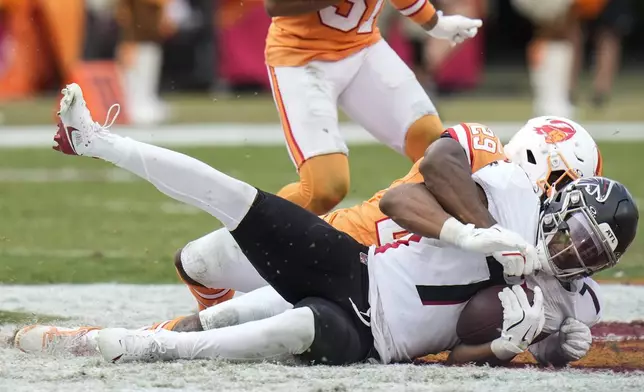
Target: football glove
(517, 256)
(575, 339)
(522, 322)
(455, 28)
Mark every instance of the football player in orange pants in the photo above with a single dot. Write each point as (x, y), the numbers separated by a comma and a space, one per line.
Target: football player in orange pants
(46, 35)
(329, 54)
(143, 25)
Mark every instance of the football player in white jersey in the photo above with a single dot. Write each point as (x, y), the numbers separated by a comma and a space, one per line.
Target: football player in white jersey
(318, 268)
(266, 302)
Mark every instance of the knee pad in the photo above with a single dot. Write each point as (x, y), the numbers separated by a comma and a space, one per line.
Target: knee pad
(338, 339)
(205, 259)
(324, 182)
(421, 134)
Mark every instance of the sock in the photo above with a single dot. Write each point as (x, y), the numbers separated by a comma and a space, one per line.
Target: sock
(207, 297)
(421, 134)
(255, 305)
(167, 325)
(180, 177)
(291, 332)
(551, 64)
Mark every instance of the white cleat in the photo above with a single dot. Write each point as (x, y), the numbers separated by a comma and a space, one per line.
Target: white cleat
(122, 345)
(57, 340)
(77, 129)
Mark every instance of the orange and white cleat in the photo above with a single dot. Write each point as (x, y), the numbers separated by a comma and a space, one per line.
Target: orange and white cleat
(52, 340)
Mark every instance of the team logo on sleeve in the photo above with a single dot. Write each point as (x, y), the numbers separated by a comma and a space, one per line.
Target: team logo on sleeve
(556, 131)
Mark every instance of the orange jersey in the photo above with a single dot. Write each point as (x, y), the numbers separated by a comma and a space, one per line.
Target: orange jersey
(369, 226)
(334, 32)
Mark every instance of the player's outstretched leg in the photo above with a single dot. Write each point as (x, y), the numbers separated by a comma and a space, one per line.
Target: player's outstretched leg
(256, 305)
(317, 330)
(177, 175)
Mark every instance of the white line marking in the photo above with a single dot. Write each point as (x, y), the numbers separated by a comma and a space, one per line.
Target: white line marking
(271, 134)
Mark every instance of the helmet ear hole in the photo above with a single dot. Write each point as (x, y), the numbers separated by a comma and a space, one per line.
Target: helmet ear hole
(530, 157)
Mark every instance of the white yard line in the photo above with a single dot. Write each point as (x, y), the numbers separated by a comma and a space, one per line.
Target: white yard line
(271, 134)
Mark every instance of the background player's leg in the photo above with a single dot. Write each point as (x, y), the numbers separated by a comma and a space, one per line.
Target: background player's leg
(306, 100)
(324, 182)
(386, 98)
(421, 134)
(179, 176)
(551, 66)
(140, 56)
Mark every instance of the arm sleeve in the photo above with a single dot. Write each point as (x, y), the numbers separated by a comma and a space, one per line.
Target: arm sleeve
(420, 11)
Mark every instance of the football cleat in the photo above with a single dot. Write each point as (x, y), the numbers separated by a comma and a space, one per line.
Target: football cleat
(77, 129)
(118, 345)
(57, 340)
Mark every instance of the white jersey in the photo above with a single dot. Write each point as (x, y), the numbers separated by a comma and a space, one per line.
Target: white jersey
(581, 301)
(419, 286)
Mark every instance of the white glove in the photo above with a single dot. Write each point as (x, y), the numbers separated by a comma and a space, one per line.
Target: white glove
(517, 256)
(455, 28)
(575, 339)
(516, 263)
(521, 322)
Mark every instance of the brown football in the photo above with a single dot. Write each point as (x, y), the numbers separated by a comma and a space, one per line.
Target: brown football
(481, 320)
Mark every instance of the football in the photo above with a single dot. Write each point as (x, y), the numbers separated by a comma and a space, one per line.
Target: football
(482, 318)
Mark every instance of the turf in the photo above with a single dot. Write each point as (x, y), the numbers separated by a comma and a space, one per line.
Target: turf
(73, 220)
(7, 317)
(261, 109)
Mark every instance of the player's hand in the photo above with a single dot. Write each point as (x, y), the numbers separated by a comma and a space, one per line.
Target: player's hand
(519, 263)
(575, 339)
(455, 28)
(522, 322)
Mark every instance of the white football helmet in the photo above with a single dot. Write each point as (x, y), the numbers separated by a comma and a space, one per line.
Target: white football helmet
(554, 151)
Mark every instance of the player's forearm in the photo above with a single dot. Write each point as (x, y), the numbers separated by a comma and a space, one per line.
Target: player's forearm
(296, 7)
(420, 11)
(414, 209)
(448, 176)
(480, 354)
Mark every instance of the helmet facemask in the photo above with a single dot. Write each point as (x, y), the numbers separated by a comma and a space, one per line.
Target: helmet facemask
(555, 177)
(572, 241)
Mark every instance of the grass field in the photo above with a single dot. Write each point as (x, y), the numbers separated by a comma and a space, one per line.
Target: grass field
(625, 105)
(68, 219)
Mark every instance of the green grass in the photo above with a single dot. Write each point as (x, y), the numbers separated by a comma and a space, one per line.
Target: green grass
(22, 318)
(98, 231)
(624, 106)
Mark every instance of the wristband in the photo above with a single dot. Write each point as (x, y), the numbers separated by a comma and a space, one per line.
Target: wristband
(451, 231)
